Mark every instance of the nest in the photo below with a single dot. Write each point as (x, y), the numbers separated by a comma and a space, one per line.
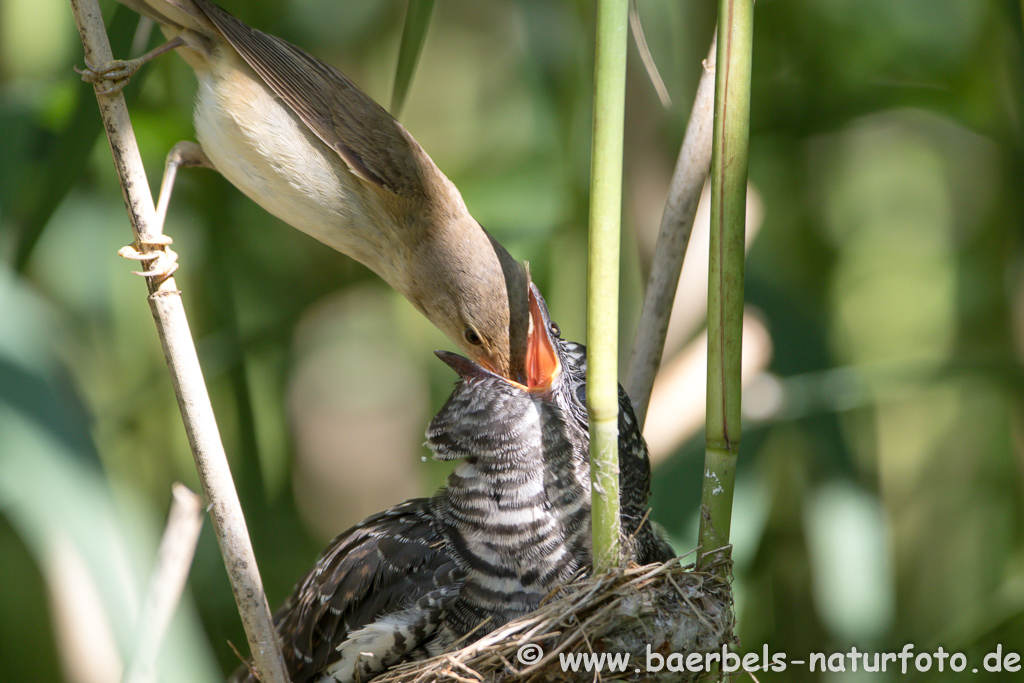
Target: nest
(661, 609)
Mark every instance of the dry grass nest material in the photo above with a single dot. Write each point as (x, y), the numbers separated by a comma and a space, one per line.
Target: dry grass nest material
(669, 607)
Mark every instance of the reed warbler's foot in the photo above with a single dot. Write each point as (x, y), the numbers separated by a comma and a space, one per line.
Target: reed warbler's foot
(117, 71)
(158, 247)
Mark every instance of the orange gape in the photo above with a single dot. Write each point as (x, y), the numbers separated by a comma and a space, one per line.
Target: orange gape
(541, 360)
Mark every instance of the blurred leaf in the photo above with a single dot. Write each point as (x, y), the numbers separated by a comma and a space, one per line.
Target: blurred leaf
(57, 497)
(414, 34)
(637, 28)
(26, 636)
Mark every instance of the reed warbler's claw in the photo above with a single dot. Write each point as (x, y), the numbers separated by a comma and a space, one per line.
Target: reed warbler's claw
(160, 243)
(117, 71)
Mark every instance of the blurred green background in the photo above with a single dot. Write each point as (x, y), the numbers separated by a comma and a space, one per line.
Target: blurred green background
(880, 495)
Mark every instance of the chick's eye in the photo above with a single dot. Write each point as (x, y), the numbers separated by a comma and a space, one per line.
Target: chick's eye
(472, 337)
(581, 393)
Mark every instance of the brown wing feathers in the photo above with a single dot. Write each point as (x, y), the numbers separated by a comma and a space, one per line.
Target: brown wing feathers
(329, 103)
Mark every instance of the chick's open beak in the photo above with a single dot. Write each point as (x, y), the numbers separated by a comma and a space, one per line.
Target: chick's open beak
(489, 364)
(466, 368)
(542, 365)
